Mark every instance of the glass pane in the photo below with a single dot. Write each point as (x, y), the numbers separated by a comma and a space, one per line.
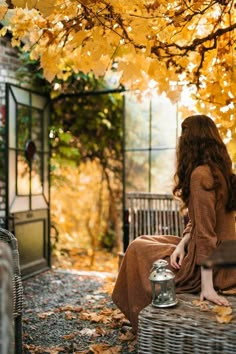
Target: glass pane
(21, 95)
(37, 128)
(136, 122)
(23, 175)
(164, 123)
(36, 175)
(23, 124)
(136, 171)
(38, 101)
(162, 171)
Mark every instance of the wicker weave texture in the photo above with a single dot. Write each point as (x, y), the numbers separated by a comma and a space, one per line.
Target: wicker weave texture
(6, 305)
(7, 237)
(184, 329)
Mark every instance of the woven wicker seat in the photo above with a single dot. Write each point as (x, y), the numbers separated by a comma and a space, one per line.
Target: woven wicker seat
(6, 303)
(185, 329)
(7, 237)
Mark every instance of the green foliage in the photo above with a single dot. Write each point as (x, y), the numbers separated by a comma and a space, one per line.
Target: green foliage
(108, 240)
(91, 125)
(30, 73)
(86, 124)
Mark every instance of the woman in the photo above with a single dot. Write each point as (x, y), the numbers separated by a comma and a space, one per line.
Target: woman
(203, 182)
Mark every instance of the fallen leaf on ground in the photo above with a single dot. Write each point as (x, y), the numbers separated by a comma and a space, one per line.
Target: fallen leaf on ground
(222, 310)
(132, 346)
(199, 302)
(224, 319)
(223, 313)
(118, 315)
(113, 350)
(129, 335)
(101, 331)
(69, 316)
(45, 314)
(203, 304)
(204, 307)
(69, 308)
(99, 348)
(87, 331)
(40, 350)
(68, 336)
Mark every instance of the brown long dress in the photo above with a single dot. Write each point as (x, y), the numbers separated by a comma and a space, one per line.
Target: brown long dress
(209, 225)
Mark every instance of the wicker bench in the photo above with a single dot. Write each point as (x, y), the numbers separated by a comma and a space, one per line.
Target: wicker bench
(17, 288)
(6, 300)
(185, 329)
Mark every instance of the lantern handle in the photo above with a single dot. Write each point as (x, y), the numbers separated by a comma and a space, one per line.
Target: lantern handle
(160, 264)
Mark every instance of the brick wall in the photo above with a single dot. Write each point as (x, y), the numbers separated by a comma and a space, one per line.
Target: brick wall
(9, 63)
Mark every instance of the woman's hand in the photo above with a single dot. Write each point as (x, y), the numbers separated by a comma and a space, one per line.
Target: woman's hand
(212, 296)
(208, 292)
(179, 253)
(177, 256)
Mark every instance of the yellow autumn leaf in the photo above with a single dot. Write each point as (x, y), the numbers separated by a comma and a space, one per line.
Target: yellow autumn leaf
(224, 318)
(85, 315)
(19, 3)
(98, 348)
(202, 304)
(46, 7)
(196, 5)
(3, 11)
(106, 311)
(3, 31)
(199, 302)
(31, 4)
(49, 61)
(155, 40)
(222, 310)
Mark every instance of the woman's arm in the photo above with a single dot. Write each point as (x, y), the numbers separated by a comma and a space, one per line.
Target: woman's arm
(179, 253)
(203, 208)
(207, 288)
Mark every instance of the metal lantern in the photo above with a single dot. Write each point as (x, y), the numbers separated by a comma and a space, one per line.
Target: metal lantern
(163, 285)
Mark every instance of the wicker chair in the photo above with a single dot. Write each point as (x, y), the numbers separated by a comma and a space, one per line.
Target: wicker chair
(6, 303)
(7, 237)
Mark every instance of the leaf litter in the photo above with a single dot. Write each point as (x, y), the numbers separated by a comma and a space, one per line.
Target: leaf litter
(223, 313)
(66, 312)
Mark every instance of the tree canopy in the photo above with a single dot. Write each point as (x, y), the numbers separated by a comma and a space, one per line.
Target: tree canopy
(166, 45)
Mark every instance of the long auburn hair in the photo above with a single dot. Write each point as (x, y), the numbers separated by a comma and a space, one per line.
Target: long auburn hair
(200, 144)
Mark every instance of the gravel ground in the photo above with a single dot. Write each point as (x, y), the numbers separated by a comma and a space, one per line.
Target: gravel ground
(56, 303)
